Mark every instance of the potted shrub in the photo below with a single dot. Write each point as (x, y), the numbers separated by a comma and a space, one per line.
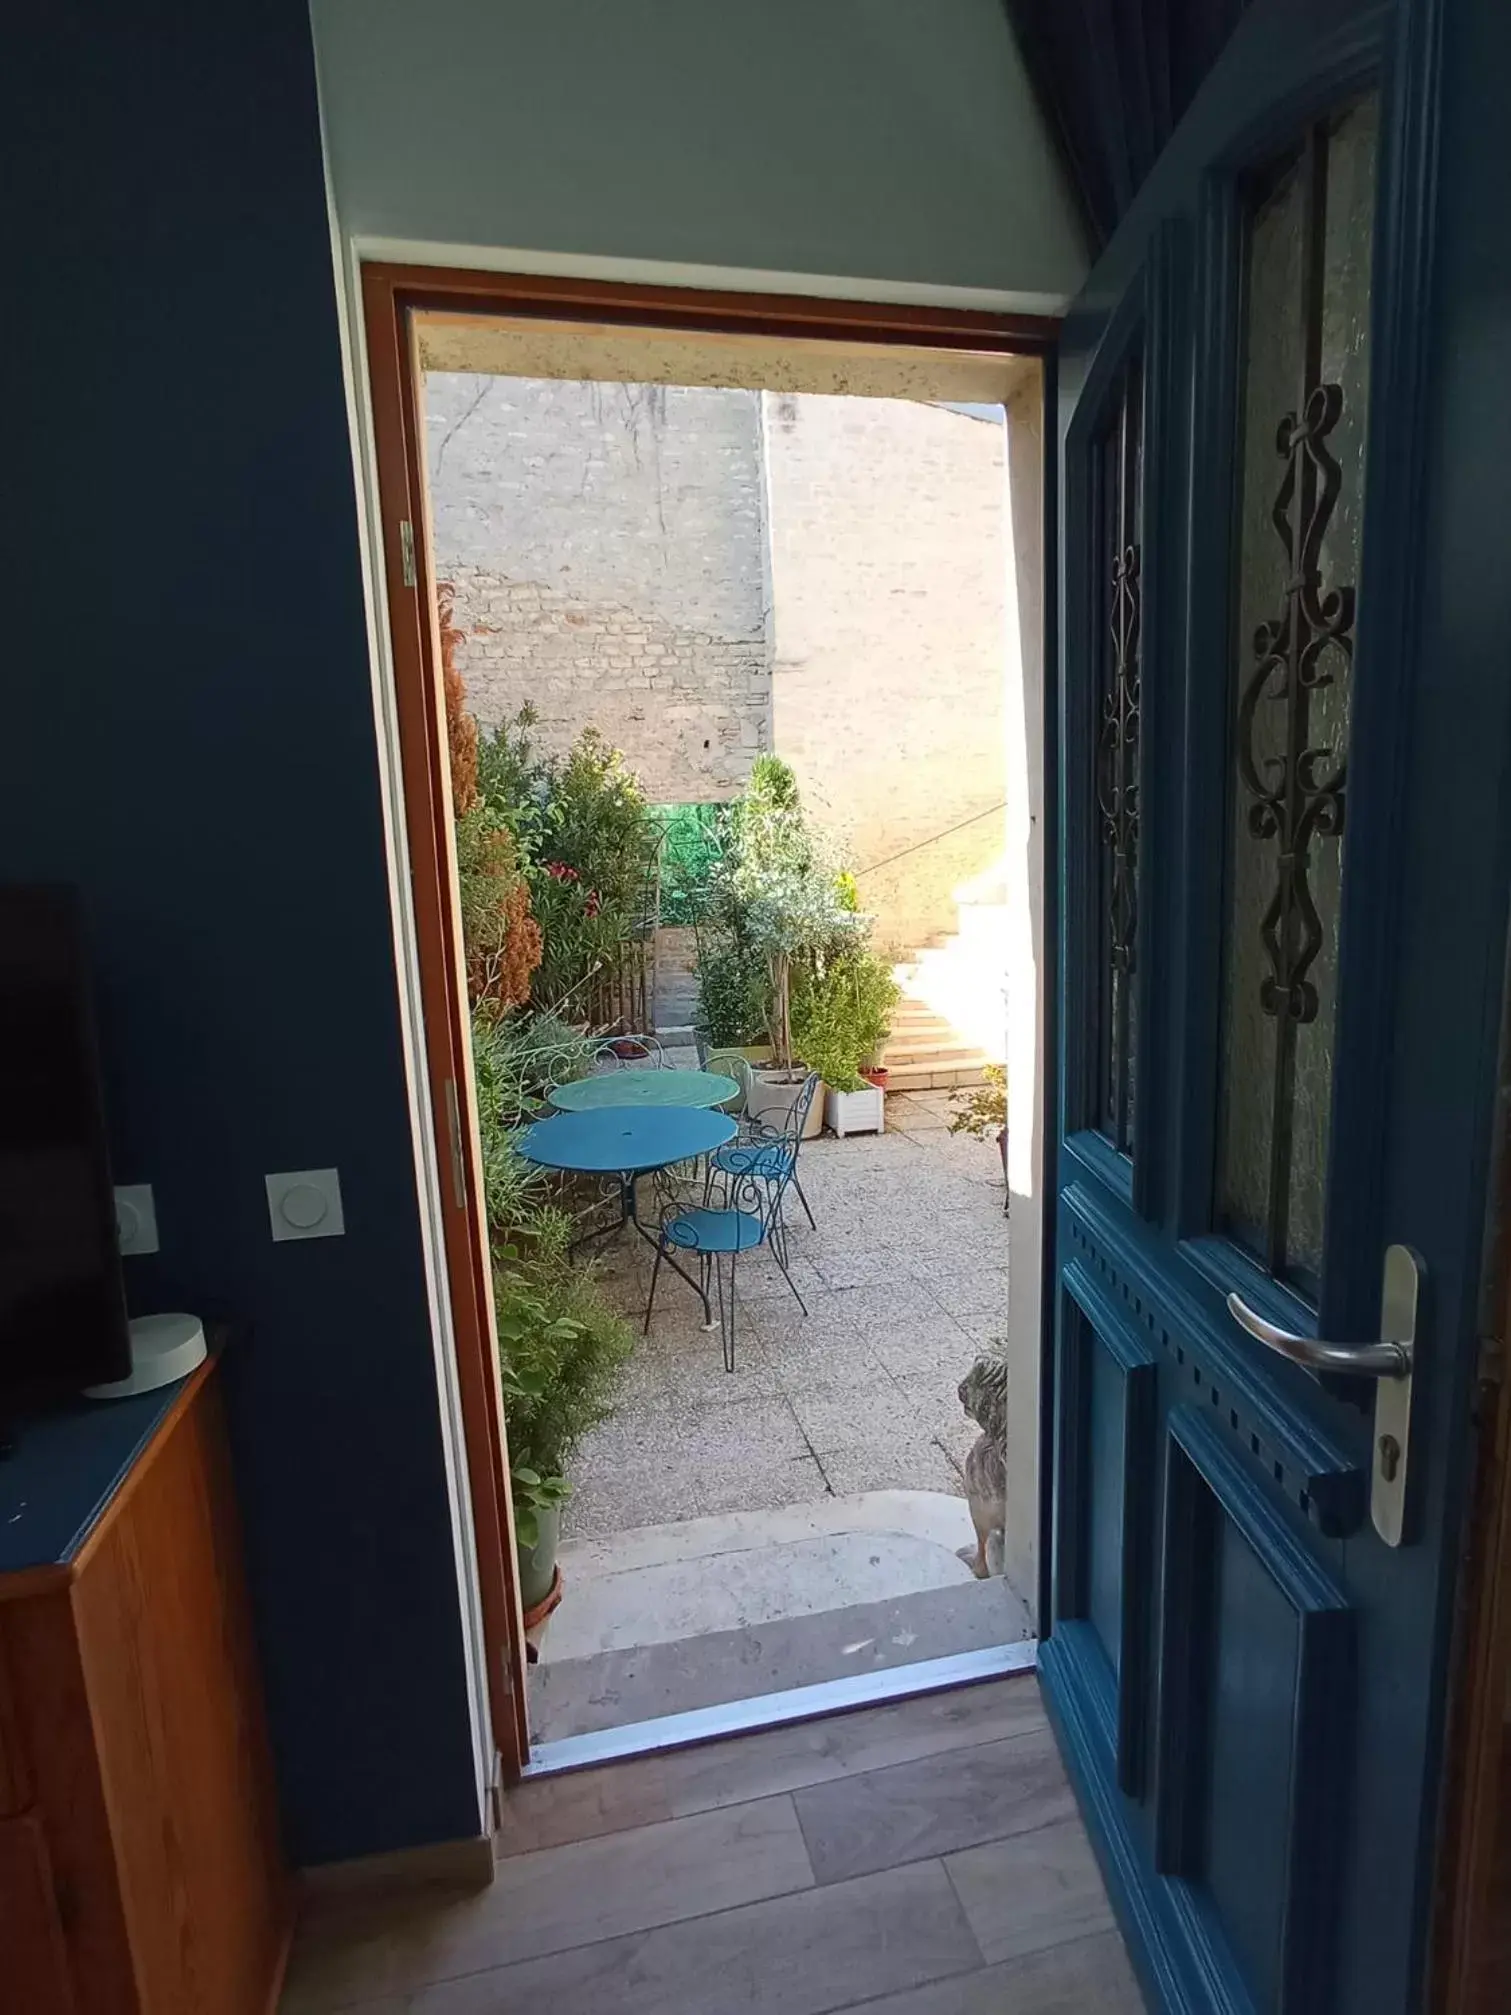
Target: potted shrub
(851, 1105)
(791, 906)
(842, 1012)
(537, 1533)
(561, 1350)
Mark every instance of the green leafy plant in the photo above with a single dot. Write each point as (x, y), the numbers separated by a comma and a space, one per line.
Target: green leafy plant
(531, 1492)
(554, 858)
(842, 1013)
(514, 781)
(731, 991)
(982, 1109)
(531, 1343)
(517, 1059)
(532, 1495)
(600, 824)
(561, 1352)
(778, 877)
(588, 845)
(733, 979)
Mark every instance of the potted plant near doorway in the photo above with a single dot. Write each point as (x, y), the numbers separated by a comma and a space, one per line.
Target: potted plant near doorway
(561, 1350)
(792, 906)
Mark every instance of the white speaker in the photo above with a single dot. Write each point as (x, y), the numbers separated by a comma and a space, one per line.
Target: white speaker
(164, 1348)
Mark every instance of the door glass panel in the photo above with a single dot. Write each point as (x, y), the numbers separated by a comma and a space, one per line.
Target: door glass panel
(1305, 385)
(1119, 511)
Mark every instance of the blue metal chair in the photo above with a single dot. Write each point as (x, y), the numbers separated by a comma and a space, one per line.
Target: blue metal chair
(741, 1214)
(780, 1145)
(729, 1063)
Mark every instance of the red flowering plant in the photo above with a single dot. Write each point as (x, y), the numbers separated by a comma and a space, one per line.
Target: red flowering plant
(588, 847)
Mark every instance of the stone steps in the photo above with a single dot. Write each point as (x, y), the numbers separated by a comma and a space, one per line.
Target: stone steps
(926, 1051)
(946, 1049)
(927, 1076)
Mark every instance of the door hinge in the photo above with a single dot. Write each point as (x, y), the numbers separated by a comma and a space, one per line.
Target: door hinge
(454, 1128)
(406, 544)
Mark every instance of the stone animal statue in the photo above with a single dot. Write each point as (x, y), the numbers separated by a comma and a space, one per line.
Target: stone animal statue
(983, 1394)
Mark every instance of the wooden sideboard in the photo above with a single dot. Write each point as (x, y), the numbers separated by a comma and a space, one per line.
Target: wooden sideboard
(140, 1868)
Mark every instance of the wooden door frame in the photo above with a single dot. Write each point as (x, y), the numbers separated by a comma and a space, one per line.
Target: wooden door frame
(1474, 1837)
(391, 296)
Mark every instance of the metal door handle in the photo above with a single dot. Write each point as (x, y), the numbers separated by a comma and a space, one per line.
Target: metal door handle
(1391, 1361)
(1386, 1359)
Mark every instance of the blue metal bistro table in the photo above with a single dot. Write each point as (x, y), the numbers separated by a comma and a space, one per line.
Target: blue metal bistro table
(629, 1141)
(643, 1088)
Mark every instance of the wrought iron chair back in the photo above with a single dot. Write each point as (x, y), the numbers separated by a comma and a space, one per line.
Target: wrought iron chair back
(794, 1125)
(730, 1063)
(746, 1179)
(784, 1140)
(740, 1211)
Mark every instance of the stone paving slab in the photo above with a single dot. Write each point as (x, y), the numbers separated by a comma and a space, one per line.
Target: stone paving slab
(905, 1278)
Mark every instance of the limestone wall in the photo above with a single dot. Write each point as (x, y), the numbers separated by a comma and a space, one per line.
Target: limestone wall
(703, 573)
(888, 565)
(607, 548)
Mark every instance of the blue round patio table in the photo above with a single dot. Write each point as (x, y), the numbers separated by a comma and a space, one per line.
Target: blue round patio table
(643, 1088)
(629, 1141)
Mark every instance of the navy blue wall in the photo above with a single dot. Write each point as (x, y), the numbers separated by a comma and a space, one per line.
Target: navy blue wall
(187, 733)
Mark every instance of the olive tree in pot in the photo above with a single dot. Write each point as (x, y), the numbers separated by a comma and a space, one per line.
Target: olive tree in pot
(793, 905)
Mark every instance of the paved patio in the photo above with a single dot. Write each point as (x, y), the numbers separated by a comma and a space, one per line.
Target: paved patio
(905, 1278)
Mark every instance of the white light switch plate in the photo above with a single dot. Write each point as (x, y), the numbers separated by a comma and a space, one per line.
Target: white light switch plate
(135, 1219)
(305, 1203)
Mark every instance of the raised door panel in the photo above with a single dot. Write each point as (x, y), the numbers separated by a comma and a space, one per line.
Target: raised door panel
(1106, 1371)
(1257, 1644)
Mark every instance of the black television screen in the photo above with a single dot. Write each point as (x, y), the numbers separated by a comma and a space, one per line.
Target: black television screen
(62, 1306)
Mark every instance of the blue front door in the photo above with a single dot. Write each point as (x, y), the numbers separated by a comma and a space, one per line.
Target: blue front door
(1283, 879)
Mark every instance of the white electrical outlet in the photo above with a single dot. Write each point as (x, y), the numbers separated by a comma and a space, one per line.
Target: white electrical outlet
(305, 1203)
(135, 1219)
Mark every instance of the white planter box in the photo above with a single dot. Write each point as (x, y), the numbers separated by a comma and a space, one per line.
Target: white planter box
(855, 1111)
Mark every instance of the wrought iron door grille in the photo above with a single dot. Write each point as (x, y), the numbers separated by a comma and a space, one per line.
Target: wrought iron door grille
(1290, 753)
(1119, 520)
